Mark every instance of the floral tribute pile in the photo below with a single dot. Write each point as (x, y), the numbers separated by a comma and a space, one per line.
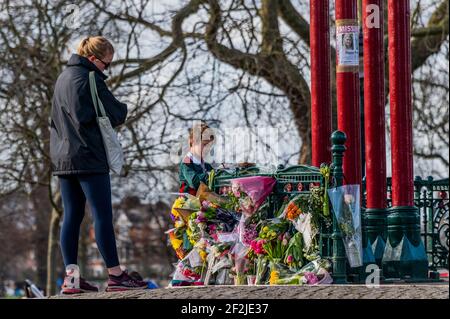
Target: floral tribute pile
(229, 239)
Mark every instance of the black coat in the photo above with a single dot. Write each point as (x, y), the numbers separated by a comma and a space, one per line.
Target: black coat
(76, 145)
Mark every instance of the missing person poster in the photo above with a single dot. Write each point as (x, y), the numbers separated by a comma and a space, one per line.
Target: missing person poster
(347, 45)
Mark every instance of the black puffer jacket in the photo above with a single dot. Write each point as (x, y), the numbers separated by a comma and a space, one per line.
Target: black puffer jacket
(76, 146)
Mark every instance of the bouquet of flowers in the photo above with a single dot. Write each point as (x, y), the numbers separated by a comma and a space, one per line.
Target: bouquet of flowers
(190, 269)
(204, 193)
(239, 256)
(261, 269)
(184, 206)
(325, 170)
(345, 203)
(177, 243)
(227, 219)
(251, 192)
(276, 248)
(278, 270)
(314, 273)
(272, 228)
(217, 259)
(293, 256)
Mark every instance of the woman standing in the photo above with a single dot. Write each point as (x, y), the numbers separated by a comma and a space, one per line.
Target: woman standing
(79, 160)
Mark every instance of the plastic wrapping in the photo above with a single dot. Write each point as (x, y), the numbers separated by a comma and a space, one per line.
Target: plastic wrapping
(223, 277)
(313, 273)
(227, 219)
(278, 271)
(240, 277)
(225, 237)
(256, 189)
(262, 267)
(195, 260)
(303, 224)
(345, 201)
(206, 194)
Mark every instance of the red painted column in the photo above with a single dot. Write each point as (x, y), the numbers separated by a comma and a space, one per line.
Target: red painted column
(400, 103)
(347, 79)
(374, 103)
(321, 124)
(407, 257)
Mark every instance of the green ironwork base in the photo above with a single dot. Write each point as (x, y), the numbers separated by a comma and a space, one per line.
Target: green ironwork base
(377, 247)
(374, 233)
(374, 223)
(404, 255)
(405, 260)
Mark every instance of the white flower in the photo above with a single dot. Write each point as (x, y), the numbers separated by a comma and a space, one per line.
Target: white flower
(349, 199)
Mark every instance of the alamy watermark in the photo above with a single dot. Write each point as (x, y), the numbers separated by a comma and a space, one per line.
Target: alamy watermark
(374, 276)
(73, 20)
(259, 144)
(373, 18)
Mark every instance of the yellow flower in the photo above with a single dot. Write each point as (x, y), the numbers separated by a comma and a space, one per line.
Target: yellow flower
(274, 277)
(178, 203)
(179, 223)
(203, 254)
(265, 229)
(176, 243)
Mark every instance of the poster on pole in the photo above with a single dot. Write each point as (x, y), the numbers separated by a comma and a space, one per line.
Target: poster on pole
(347, 45)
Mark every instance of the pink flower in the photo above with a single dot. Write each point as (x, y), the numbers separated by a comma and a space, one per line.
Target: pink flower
(311, 278)
(206, 204)
(257, 247)
(290, 259)
(235, 190)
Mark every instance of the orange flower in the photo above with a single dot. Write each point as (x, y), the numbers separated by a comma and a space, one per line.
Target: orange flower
(293, 211)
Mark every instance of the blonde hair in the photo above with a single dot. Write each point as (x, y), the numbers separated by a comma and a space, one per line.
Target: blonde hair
(97, 46)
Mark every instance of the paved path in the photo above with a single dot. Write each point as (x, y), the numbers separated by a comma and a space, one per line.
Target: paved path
(391, 291)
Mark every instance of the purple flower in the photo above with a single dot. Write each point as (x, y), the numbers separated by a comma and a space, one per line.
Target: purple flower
(201, 219)
(311, 278)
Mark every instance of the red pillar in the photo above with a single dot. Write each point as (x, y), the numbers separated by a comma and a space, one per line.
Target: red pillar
(407, 256)
(347, 78)
(374, 103)
(401, 104)
(321, 125)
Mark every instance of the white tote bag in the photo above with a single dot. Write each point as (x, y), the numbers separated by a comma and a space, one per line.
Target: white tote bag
(114, 153)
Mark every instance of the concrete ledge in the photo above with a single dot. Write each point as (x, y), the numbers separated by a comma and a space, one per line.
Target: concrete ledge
(410, 291)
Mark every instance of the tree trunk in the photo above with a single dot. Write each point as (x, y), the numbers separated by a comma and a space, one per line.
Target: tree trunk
(304, 130)
(53, 239)
(41, 207)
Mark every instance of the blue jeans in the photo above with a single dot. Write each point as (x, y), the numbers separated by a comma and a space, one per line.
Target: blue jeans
(75, 189)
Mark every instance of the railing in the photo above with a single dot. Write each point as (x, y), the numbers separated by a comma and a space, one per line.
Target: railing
(431, 198)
